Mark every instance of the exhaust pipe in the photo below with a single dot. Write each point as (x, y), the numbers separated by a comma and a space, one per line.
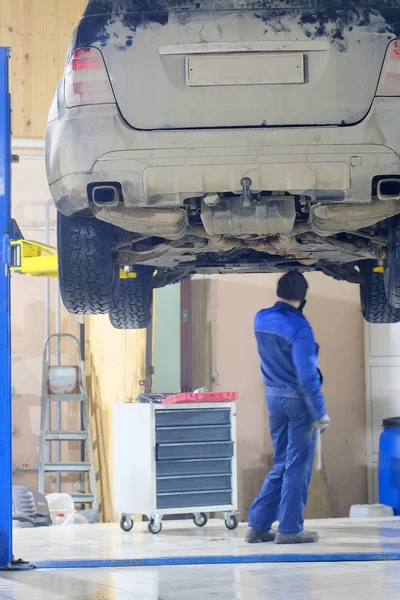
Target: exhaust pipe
(389, 189)
(105, 195)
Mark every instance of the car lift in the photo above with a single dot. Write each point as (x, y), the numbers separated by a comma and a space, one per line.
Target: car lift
(20, 256)
(5, 326)
(30, 258)
(35, 259)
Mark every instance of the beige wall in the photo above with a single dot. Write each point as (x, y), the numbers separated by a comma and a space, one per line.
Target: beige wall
(30, 193)
(333, 309)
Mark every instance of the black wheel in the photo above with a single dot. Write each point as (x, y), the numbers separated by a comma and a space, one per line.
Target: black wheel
(231, 523)
(200, 520)
(153, 527)
(86, 273)
(132, 305)
(392, 270)
(126, 523)
(374, 305)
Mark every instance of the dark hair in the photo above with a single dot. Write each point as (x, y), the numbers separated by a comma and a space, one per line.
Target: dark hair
(292, 286)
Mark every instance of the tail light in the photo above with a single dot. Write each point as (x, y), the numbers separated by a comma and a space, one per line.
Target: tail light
(86, 79)
(389, 83)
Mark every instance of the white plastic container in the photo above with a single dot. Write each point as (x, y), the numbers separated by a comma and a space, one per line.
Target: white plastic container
(370, 511)
(60, 504)
(60, 519)
(75, 519)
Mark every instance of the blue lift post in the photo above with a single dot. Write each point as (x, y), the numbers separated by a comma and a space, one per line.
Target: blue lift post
(5, 326)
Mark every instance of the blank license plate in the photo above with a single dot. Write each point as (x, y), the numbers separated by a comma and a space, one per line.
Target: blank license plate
(246, 69)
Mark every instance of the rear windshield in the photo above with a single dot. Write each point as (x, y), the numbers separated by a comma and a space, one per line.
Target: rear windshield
(101, 7)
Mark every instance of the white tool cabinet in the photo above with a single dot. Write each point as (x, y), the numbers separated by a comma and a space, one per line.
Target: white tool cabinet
(175, 459)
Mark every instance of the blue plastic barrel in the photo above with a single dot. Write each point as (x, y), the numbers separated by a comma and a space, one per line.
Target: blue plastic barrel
(389, 464)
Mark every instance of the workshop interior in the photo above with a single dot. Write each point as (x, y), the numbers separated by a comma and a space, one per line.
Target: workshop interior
(200, 242)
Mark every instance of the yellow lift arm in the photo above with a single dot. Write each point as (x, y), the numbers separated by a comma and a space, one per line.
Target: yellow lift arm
(33, 258)
(40, 260)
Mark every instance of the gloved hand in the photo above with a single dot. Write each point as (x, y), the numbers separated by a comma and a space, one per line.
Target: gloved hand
(323, 423)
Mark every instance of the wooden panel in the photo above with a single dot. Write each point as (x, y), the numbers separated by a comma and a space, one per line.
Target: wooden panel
(186, 335)
(201, 333)
(115, 364)
(38, 31)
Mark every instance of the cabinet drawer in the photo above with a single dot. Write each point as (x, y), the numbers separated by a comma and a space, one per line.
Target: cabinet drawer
(193, 467)
(199, 416)
(197, 450)
(194, 499)
(194, 484)
(204, 433)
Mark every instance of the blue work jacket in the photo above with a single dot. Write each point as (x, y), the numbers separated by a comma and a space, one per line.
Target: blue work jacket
(289, 356)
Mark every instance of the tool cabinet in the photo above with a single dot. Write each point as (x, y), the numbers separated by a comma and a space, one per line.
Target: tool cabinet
(175, 459)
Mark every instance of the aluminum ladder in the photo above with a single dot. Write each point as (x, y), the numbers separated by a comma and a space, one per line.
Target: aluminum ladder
(62, 383)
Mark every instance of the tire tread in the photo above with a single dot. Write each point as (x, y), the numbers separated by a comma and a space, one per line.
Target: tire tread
(393, 269)
(132, 308)
(375, 307)
(84, 264)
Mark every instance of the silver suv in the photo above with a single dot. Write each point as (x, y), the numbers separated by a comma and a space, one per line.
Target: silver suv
(227, 136)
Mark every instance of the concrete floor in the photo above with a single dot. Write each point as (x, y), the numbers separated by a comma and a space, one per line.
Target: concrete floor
(182, 538)
(297, 581)
(336, 581)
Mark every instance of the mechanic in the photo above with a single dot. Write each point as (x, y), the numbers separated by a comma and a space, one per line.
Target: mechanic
(296, 405)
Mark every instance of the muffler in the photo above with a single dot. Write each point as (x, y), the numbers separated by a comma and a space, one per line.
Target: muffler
(389, 189)
(105, 195)
(169, 223)
(329, 219)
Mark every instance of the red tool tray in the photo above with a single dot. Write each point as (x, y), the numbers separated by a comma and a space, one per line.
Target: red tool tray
(189, 397)
(201, 397)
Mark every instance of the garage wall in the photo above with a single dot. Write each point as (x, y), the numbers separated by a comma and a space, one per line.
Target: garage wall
(333, 309)
(30, 195)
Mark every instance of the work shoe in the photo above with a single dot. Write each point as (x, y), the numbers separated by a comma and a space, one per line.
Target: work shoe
(303, 537)
(257, 536)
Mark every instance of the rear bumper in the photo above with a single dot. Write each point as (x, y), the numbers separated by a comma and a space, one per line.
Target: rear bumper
(94, 145)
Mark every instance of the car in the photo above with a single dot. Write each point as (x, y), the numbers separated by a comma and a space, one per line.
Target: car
(226, 136)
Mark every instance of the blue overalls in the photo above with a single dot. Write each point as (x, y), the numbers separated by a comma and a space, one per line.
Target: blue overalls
(289, 360)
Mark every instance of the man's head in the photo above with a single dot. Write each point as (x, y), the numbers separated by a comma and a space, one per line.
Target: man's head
(292, 288)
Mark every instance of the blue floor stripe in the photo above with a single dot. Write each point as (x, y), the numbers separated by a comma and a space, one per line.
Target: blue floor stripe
(217, 560)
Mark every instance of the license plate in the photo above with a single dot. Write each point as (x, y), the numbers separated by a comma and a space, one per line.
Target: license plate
(246, 69)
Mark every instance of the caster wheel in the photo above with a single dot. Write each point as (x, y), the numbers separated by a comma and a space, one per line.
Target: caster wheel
(200, 520)
(231, 523)
(126, 523)
(154, 527)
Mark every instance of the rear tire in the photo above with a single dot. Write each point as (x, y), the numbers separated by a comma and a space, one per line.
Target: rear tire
(374, 305)
(392, 270)
(85, 269)
(132, 308)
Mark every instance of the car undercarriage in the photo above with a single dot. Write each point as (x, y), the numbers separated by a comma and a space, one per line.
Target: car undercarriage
(260, 233)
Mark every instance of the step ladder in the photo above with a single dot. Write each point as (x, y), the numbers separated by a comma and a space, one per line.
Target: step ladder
(65, 383)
